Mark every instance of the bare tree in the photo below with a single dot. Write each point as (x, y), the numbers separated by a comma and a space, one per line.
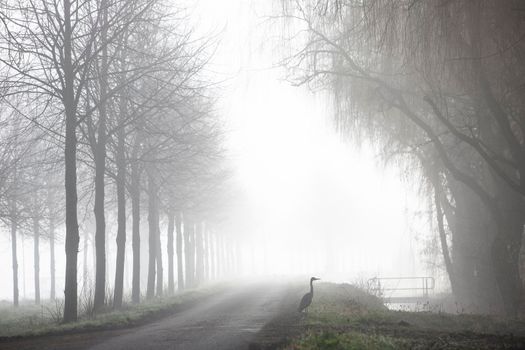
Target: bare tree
(48, 48)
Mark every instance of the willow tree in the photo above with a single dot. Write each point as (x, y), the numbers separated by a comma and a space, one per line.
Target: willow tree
(431, 78)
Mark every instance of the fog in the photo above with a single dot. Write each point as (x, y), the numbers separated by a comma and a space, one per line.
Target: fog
(171, 163)
(317, 202)
(309, 201)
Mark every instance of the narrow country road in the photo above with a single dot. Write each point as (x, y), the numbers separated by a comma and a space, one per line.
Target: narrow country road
(229, 320)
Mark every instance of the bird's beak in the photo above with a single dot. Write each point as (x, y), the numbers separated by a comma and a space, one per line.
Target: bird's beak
(317, 279)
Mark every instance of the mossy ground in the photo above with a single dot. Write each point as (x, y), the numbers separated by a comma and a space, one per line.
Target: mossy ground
(345, 317)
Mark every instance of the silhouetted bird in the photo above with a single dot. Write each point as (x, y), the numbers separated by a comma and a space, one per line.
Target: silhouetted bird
(307, 298)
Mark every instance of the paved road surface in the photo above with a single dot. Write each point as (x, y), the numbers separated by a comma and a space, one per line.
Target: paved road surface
(229, 320)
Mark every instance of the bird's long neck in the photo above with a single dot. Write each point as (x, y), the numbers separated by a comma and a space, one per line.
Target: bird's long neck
(311, 287)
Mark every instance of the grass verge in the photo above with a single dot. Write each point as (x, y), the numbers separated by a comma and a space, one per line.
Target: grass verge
(33, 320)
(343, 316)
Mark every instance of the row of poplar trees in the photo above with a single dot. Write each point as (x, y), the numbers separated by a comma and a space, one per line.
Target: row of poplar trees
(105, 106)
(437, 86)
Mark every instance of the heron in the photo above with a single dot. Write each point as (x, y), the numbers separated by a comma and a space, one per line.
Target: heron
(307, 298)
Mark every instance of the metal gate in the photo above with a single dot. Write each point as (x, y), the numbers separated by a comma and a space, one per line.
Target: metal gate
(402, 289)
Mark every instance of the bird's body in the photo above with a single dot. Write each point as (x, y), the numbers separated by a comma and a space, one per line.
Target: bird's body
(307, 298)
(305, 301)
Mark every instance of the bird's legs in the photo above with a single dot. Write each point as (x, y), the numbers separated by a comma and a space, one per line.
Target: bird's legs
(304, 313)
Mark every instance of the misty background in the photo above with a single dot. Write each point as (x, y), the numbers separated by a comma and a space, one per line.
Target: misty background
(308, 200)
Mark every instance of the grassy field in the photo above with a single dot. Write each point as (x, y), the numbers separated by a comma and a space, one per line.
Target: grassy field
(31, 320)
(345, 317)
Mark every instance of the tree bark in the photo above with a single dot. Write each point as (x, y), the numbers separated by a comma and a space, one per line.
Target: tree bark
(171, 276)
(220, 256)
(100, 170)
(121, 208)
(70, 159)
(52, 294)
(206, 237)
(443, 240)
(213, 261)
(100, 233)
(229, 257)
(189, 255)
(121, 243)
(180, 273)
(505, 261)
(85, 264)
(14, 261)
(160, 270)
(152, 222)
(224, 257)
(135, 212)
(199, 251)
(36, 258)
(506, 247)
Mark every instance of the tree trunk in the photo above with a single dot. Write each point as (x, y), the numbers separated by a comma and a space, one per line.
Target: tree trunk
(231, 253)
(213, 261)
(505, 262)
(188, 253)
(160, 270)
(52, 293)
(219, 250)
(100, 170)
(231, 257)
(180, 274)
(135, 212)
(473, 229)
(100, 233)
(70, 159)
(227, 257)
(36, 258)
(199, 251)
(439, 201)
(224, 257)
(171, 277)
(506, 247)
(206, 237)
(93, 252)
(152, 221)
(121, 244)
(85, 264)
(14, 261)
(443, 241)
(121, 209)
